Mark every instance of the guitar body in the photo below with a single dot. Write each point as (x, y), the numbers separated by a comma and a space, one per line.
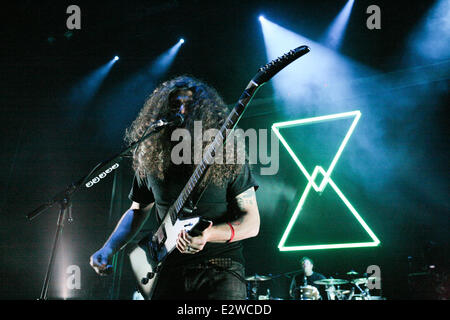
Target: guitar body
(143, 265)
(148, 255)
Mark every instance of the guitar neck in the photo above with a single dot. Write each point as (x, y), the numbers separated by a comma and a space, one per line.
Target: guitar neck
(264, 74)
(218, 142)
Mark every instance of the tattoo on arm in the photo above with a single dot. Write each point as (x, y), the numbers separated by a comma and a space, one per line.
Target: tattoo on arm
(245, 199)
(238, 221)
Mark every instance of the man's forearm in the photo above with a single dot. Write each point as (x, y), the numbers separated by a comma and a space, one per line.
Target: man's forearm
(126, 229)
(245, 227)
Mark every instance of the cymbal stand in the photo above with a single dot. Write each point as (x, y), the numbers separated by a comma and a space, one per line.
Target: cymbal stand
(330, 290)
(365, 292)
(253, 290)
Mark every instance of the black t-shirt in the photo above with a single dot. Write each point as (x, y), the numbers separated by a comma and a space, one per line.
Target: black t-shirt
(216, 204)
(300, 280)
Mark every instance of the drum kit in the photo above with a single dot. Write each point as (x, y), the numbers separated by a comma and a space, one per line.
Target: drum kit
(253, 284)
(355, 288)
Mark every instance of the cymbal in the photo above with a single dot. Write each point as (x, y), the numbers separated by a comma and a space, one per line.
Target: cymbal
(257, 277)
(352, 272)
(331, 281)
(363, 280)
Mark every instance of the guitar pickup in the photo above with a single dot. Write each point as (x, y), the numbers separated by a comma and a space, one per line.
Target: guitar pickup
(156, 246)
(160, 237)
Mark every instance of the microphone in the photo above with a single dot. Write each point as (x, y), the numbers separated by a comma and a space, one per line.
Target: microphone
(175, 120)
(172, 120)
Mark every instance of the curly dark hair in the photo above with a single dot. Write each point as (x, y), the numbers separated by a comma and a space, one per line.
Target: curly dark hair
(153, 155)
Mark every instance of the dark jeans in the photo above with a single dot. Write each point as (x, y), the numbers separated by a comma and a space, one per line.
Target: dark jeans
(215, 279)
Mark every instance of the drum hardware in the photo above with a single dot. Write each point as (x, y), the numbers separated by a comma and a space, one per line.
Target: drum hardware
(356, 288)
(309, 293)
(253, 285)
(352, 273)
(333, 293)
(331, 281)
(364, 293)
(352, 294)
(257, 277)
(359, 297)
(341, 294)
(268, 296)
(343, 291)
(363, 280)
(265, 297)
(336, 293)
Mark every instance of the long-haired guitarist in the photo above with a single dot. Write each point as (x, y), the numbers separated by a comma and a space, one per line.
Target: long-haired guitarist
(209, 265)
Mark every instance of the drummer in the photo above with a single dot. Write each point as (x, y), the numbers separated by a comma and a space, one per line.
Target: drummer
(306, 278)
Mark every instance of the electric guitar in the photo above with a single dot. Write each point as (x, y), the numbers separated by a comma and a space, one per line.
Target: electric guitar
(148, 256)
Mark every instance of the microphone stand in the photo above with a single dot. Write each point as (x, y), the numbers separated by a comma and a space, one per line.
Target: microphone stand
(64, 200)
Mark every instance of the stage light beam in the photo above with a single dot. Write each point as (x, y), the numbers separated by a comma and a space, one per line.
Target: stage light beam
(129, 93)
(335, 33)
(84, 91)
(428, 42)
(316, 81)
(165, 60)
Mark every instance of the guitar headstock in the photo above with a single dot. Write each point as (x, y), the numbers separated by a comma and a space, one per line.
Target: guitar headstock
(266, 72)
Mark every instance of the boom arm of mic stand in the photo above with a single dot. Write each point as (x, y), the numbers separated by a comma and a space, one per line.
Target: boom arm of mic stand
(73, 187)
(63, 198)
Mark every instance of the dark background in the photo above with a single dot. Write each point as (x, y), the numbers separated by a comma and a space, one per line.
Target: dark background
(49, 140)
